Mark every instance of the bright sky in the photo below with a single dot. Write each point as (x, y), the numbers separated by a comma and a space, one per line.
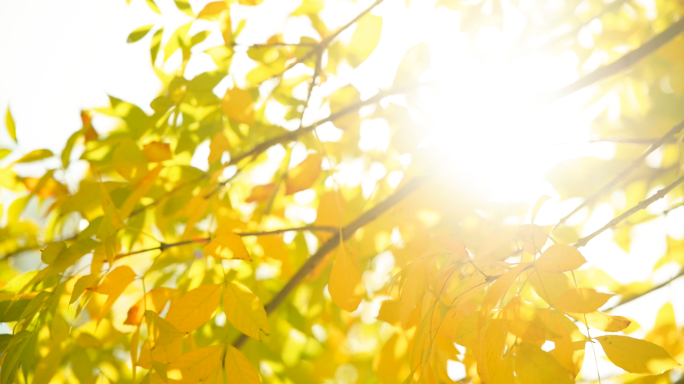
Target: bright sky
(62, 57)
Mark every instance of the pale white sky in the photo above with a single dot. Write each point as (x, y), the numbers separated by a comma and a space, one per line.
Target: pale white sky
(58, 57)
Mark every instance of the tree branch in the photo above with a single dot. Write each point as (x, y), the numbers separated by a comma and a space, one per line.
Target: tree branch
(164, 246)
(620, 64)
(631, 298)
(622, 175)
(642, 205)
(335, 241)
(293, 135)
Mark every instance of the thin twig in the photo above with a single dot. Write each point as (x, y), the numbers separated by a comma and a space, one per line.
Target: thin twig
(625, 172)
(164, 246)
(641, 205)
(620, 64)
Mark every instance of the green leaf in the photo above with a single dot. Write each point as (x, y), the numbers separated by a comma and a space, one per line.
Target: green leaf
(4, 342)
(153, 6)
(141, 32)
(11, 126)
(38, 154)
(11, 310)
(184, 6)
(364, 40)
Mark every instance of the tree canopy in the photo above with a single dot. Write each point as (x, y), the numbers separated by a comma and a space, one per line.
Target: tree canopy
(316, 205)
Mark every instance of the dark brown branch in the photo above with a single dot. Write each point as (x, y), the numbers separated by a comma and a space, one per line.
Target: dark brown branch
(642, 205)
(335, 241)
(622, 175)
(620, 64)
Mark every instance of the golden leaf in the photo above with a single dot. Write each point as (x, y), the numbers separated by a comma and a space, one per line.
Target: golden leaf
(195, 307)
(345, 285)
(304, 174)
(560, 258)
(636, 356)
(156, 151)
(226, 244)
(244, 310)
(582, 300)
(238, 105)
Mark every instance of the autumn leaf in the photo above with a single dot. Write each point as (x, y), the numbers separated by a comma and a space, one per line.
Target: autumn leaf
(226, 244)
(237, 105)
(559, 258)
(163, 332)
(244, 310)
(218, 144)
(238, 369)
(155, 300)
(364, 40)
(636, 356)
(261, 193)
(195, 366)
(36, 155)
(602, 321)
(212, 10)
(194, 308)
(129, 161)
(113, 286)
(304, 174)
(10, 125)
(534, 366)
(453, 245)
(582, 300)
(345, 285)
(155, 151)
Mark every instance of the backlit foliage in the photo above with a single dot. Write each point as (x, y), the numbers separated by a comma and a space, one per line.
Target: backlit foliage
(324, 241)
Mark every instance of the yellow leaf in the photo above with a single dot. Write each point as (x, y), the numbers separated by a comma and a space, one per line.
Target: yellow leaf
(10, 125)
(238, 369)
(602, 321)
(497, 290)
(534, 237)
(415, 62)
(238, 105)
(38, 154)
(140, 191)
(218, 144)
(364, 40)
(452, 244)
(212, 10)
(163, 332)
(261, 192)
(582, 300)
(560, 258)
(494, 344)
(129, 161)
(111, 222)
(503, 373)
(250, 2)
(492, 243)
(113, 286)
(156, 300)
(50, 253)
(330, 213)
(569, 341)
(156, 151)
(549, 286)
(466, 331)
(345, 285)
(534, 366)
(304, 174)
(537, 206)
(161, 353)
(522, 320)
(636, 356)
(226, 244)
(195, 366)
(244, 310)
(194, 308)
(389, 311)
